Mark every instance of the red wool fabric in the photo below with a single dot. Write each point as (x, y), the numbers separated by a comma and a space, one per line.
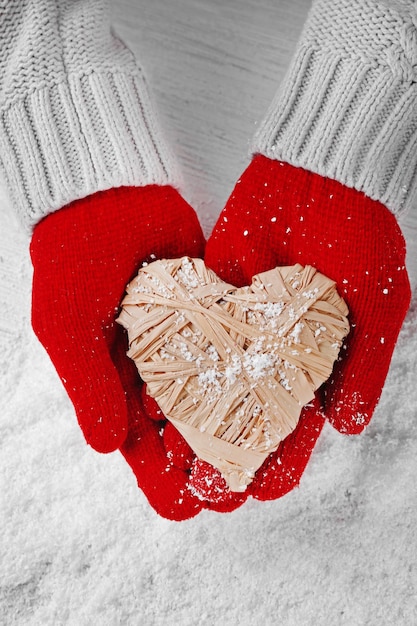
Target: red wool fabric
(83, 256)
(280, 215)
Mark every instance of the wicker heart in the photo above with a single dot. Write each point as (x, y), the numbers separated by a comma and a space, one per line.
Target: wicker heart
(230, 367)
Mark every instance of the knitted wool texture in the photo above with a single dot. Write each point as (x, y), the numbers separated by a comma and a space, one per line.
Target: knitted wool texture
(278, 215)
(83, 256)
(75, 113)
(347, 108)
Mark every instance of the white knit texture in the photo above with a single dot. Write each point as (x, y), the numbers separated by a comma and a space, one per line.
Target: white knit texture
(347, 108)
(75, 113)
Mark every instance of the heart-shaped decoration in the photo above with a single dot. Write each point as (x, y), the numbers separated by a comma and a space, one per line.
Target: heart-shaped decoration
(231, 367)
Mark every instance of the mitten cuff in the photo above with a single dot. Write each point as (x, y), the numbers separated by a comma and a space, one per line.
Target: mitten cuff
(348, 107)
(90, 132)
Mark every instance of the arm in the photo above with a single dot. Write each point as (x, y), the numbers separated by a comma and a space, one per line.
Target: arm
(334, 165)
(76, 116)
(347, 108)
(88, 171)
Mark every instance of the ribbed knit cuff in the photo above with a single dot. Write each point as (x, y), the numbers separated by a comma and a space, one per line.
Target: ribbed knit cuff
(94, 131)
(346, 116)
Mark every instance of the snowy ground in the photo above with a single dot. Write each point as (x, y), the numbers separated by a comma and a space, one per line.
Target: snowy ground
(79, 545)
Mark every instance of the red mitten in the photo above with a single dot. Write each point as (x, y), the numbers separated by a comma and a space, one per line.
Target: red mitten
(282, 470)
(83, 256)
(282, 215)
(205, 483)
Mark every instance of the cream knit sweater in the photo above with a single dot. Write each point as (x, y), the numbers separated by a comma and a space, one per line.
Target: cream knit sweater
(75, 114)
(347, 108)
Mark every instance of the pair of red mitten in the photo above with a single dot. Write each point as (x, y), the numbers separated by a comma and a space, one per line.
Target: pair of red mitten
(85, 254)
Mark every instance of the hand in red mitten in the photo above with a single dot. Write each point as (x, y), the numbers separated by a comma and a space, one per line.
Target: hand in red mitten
(83, 256)
(282, 215)
(278, 475)
(205, 483)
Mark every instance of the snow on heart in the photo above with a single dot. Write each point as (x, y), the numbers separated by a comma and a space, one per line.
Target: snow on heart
(231, 367)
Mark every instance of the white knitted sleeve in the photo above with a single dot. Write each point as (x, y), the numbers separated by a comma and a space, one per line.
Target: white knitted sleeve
(347, 108)
(75, 114)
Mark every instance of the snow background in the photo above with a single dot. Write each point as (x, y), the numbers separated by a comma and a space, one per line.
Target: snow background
(79, 545)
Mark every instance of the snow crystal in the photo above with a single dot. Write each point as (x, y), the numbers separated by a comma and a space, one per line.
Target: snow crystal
(295, 333)
(188, 275)
(258, 365)
(233, 369)
(186, 353)
(310, 293)
(209, 382)
(270, 310)
(212, 353)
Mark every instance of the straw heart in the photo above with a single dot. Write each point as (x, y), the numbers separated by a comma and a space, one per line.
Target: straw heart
(231, 367)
